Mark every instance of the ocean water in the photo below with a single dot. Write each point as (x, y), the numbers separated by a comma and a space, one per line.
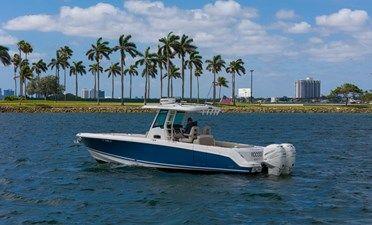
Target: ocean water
(47, 179)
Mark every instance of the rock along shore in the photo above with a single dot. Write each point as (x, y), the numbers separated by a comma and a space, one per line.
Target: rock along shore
(138, 109)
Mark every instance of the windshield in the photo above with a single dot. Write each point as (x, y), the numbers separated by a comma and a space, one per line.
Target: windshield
(178, 119)
(160, 119)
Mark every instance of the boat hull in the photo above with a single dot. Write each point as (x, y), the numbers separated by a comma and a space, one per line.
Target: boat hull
(161, 156)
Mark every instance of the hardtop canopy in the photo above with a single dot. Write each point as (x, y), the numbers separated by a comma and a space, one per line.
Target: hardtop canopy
(185, 107)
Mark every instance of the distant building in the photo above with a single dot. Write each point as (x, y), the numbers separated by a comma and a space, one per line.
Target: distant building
(8, 92)
(101, 94)
(273, 99)
(244, 92)
(308, 88)
(1, 94)
(92, 94)
(85, 93)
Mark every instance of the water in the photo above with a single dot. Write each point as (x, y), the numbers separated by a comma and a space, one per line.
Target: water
(45, 178)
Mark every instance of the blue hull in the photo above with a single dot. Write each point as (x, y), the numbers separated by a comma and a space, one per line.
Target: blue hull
(159, 155)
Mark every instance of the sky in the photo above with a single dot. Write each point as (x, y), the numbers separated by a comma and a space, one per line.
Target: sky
(283, 41)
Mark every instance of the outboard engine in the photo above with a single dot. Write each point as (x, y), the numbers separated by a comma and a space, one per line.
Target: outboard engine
(290, 158)
(274, 157)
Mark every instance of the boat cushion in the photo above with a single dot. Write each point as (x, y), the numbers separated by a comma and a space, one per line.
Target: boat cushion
(205, 140)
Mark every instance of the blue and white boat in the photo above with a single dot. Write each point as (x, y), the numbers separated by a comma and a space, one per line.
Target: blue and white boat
(166, 146)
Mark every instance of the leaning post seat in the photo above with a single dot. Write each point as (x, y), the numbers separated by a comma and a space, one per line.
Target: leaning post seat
(205, 139)
(192, 136)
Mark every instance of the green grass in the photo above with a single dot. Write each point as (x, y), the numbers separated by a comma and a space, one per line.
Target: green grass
(61, 104)
(238, 107)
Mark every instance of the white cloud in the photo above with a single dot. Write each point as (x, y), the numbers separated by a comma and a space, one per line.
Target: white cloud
(299, 28)
(315, 40)
(7, 39)
(344, 19)
(285, 14)
(225, 27)
(337, 51)
(290, 27)
(31, 22)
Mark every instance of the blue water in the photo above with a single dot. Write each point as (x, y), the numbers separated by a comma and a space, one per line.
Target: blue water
(45, 178)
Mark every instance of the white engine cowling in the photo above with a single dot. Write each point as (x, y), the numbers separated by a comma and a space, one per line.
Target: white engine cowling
(274, 157)
(290, 158)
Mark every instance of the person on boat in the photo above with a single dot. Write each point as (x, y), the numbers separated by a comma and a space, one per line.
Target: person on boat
(189, 125)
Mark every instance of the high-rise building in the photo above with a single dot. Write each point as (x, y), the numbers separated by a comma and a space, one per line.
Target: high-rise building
(85, 93)
(101, 94)
(308, 88)
(92, 94)
(1, 94)
(8, 92)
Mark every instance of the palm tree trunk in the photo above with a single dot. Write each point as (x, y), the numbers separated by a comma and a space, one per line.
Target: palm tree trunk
(214, 88)
(183, 76)
(122, 78)
(15, 81)
(64, 78)
(95, 86)
(233, 88)
(112, 92)
(76, 86)
(145, 96)
(161, 82)
(219, 93)
(148, 87)
(171, 87)
(197, 80)
(58, 75)
(190, 82)
(168, 72)
(98, 83)
(20, 87)
(64, 83)
(130, 86)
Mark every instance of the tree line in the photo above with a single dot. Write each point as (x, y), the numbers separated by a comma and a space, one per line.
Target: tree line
(149, 64)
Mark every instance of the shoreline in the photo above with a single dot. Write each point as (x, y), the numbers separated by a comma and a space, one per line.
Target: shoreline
(225, 109)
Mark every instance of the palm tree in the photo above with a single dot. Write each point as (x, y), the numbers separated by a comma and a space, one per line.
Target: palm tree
(113, 70)
(132, 71)
(20, 45)
(25, 73)
(76, 69)
(125, 46)
(39, 67)
(65, 53)
(94, 69)
(16, 60)
(57, 63)
(96, 53)
(169, 47)
(148, 61)
(221, 82)
(195, 61)
(185, 47)
(198, 73)
(161, 62)
(215, 65)
(24, 47)
(235, 67)
(4, 56)
(27, 49)
(174, 73)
